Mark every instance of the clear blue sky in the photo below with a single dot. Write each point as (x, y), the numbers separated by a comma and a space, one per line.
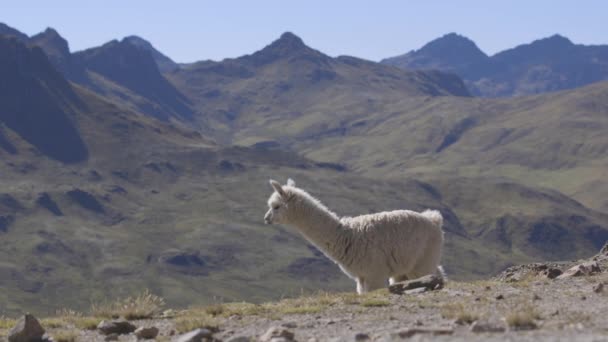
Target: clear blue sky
(193, 30)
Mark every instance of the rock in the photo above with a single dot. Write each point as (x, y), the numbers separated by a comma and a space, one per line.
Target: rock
(111, 337)
(290, 325)
(487, 327)
(551, 273)
(198, 335)
(599, 288)
(119, 326)
(276, 334)
(146, 333)
(409, 332)
(239, 339)
(584, 269)
(27, 329)
(604, 250)
(362, 337)
(415, 291)
(430, 282)
(500, 297)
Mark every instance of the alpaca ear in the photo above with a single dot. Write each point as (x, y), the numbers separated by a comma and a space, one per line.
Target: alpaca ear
(277, 187)
(291, 182)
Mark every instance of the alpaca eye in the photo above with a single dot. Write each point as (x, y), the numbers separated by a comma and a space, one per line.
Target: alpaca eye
(276, 207)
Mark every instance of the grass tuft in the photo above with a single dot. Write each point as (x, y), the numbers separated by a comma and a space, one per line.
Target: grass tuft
(7, 323)
(185, 324)
(65, 335)
(373, 302)
(459, 313)
(142, 306)
(523, 318)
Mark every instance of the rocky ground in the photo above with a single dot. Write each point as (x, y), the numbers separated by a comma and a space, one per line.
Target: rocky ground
(553, 301)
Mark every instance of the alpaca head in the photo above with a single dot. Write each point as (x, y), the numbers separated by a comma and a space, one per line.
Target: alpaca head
(278, 203)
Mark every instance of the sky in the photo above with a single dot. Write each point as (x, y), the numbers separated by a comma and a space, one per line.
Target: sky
(190, 30)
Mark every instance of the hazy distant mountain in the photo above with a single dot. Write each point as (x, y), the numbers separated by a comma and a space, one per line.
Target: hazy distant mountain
(165, 64)
(548, 64)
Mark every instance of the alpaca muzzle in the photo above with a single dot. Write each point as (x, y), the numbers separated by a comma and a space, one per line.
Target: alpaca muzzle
(267, 218)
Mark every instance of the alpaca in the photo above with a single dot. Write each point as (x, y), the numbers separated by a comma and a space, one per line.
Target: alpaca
(370, 249)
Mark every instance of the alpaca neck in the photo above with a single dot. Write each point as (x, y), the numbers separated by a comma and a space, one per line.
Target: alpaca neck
(319, 225)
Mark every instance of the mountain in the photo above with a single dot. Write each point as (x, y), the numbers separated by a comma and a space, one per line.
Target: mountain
(164, 63)
(286, 78)
(176, 206)
(133, 68)
(452, 52)
(9, 31)
(37, 103)
(548, 64)
(58, 52)
(125, 72)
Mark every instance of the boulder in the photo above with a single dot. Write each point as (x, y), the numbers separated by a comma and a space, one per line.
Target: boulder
(430, 282)
(119, 327)
(27, 329)
(146, 333)
(584, 269)
(198, 335)
(276, 334)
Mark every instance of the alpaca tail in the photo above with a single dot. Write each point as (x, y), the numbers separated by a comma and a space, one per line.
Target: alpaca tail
(434, 216)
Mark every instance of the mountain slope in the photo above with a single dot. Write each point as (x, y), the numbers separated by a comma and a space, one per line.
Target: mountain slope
(548, 64)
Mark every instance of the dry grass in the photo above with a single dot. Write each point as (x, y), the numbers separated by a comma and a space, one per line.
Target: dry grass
(54, 322)
(65, 335)
(522, 318)
(459, 313)
(144, 305)
(185, 324)
(86, 323)
(7, 323)
(373, 302)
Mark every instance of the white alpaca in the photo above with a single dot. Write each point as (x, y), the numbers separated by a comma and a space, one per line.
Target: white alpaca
(370, 249)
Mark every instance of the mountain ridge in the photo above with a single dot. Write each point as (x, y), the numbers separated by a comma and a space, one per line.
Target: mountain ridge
(547, 64)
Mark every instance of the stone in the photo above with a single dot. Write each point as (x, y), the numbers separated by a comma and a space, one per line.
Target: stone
(584, 269)
(27, 329)
(551, 273)
(604, 250)
(239, 339)
(146, 333)
(362, 337)
(500, 297)
(118, 326)
(415, 291)
(290, 325)
(429, 282)
(599, 288)
(275, 334)
(409, 332)
(111, 337)
(481, 326)
(198, 335)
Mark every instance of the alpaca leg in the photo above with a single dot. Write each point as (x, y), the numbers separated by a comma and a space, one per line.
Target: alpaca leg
(361, 288)
(397, 279)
